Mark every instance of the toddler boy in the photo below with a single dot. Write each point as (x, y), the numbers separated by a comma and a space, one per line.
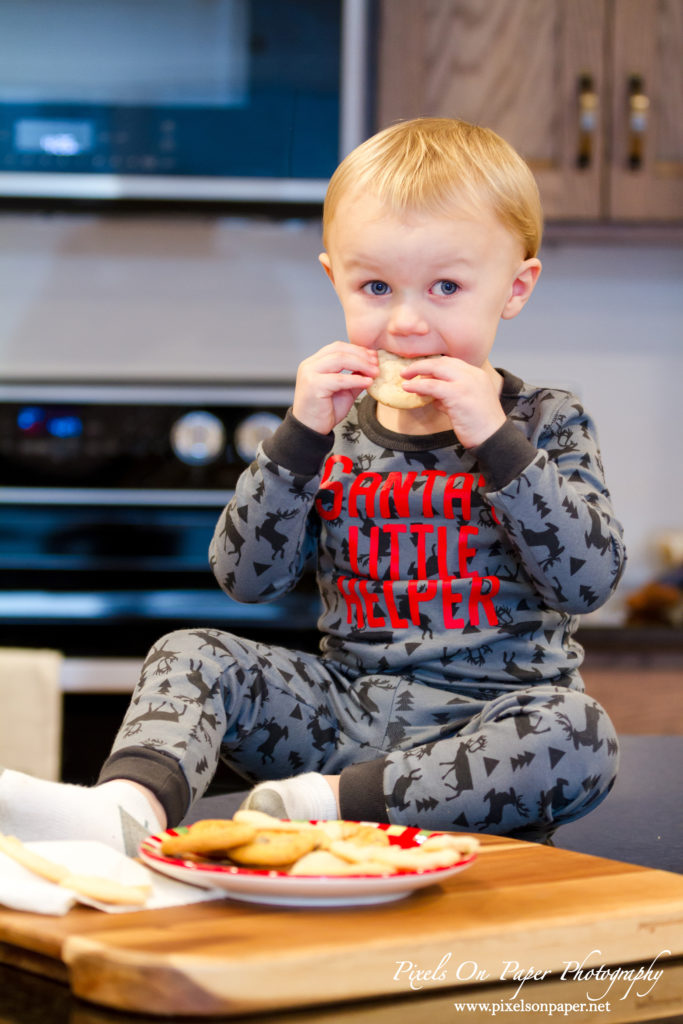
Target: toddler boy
(460, 525)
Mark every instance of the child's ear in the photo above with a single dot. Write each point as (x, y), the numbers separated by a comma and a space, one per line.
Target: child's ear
(327, 265)
(522, 287)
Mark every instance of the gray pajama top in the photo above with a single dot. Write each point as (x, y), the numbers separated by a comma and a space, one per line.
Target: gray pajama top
(467, 569)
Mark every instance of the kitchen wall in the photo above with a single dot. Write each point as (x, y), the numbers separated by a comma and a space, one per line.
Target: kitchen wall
(607, 322)
(235, 299)
(177, 299)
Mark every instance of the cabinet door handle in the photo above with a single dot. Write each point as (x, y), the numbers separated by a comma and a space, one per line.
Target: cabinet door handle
(638, 106)
(588, 120)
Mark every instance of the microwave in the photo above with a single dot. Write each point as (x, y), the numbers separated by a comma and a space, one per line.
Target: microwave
(180, 99)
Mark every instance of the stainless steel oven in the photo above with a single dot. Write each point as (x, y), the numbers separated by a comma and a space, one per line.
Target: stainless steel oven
(109, 497)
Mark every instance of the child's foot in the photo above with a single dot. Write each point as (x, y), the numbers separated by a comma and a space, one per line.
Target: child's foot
(303, 797)
(116, 812)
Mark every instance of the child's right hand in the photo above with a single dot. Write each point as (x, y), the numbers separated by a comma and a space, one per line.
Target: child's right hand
(329, 382)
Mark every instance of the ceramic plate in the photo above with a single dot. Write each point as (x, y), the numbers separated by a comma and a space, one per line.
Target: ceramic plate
(279, 888)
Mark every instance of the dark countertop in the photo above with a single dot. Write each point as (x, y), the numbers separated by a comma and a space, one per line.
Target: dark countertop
(27, 998)
(631, 639)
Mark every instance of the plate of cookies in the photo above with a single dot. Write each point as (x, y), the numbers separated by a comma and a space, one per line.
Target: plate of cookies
(260, 859)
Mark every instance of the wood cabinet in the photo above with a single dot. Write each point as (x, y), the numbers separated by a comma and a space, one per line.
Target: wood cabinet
(589, 91)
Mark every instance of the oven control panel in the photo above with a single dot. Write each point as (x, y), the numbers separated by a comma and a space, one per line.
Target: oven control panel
(140, 438)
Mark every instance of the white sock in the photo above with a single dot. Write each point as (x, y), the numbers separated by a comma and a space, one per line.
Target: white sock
(115, 813)
(301, 798)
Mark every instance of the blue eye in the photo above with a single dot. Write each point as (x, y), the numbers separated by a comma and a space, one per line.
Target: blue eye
(445, 287)
(377, 288)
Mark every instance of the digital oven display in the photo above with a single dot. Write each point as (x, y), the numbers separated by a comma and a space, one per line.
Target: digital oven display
(38, 421)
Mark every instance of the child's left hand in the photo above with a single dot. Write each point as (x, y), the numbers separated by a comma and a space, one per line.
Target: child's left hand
(468, 395)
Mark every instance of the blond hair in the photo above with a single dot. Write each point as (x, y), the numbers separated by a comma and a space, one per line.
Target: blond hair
(434, 163)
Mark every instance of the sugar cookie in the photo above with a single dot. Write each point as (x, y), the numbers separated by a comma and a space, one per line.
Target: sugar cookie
(14, 848)
(322, 862)
(387, 387)
(274, 849)
(208, 838)
(107, 890)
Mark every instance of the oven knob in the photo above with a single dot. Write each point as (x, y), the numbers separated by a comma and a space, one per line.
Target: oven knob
(198, 438)
(251, 431)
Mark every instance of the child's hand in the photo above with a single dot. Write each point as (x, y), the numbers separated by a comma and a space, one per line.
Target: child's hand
(469, 395)
(329, 381)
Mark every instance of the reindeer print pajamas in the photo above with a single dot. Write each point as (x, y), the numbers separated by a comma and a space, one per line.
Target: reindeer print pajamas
(447, 691)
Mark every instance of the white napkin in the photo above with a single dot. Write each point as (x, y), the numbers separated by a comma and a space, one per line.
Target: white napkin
(21, 889)
(31, 720)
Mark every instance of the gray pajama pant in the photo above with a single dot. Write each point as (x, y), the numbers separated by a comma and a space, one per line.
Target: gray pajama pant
(410, 753)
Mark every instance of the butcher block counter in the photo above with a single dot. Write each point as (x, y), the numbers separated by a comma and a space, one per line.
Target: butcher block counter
(523, 923)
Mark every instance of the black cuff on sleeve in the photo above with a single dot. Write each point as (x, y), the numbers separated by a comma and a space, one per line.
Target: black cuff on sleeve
(296, 447)
(155, 770)
(361, 792)
(504, 455)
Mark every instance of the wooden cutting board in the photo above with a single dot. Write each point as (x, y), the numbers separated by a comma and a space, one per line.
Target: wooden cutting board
(537, 906)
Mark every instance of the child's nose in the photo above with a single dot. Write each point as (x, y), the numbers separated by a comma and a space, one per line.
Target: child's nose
(406, 319)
